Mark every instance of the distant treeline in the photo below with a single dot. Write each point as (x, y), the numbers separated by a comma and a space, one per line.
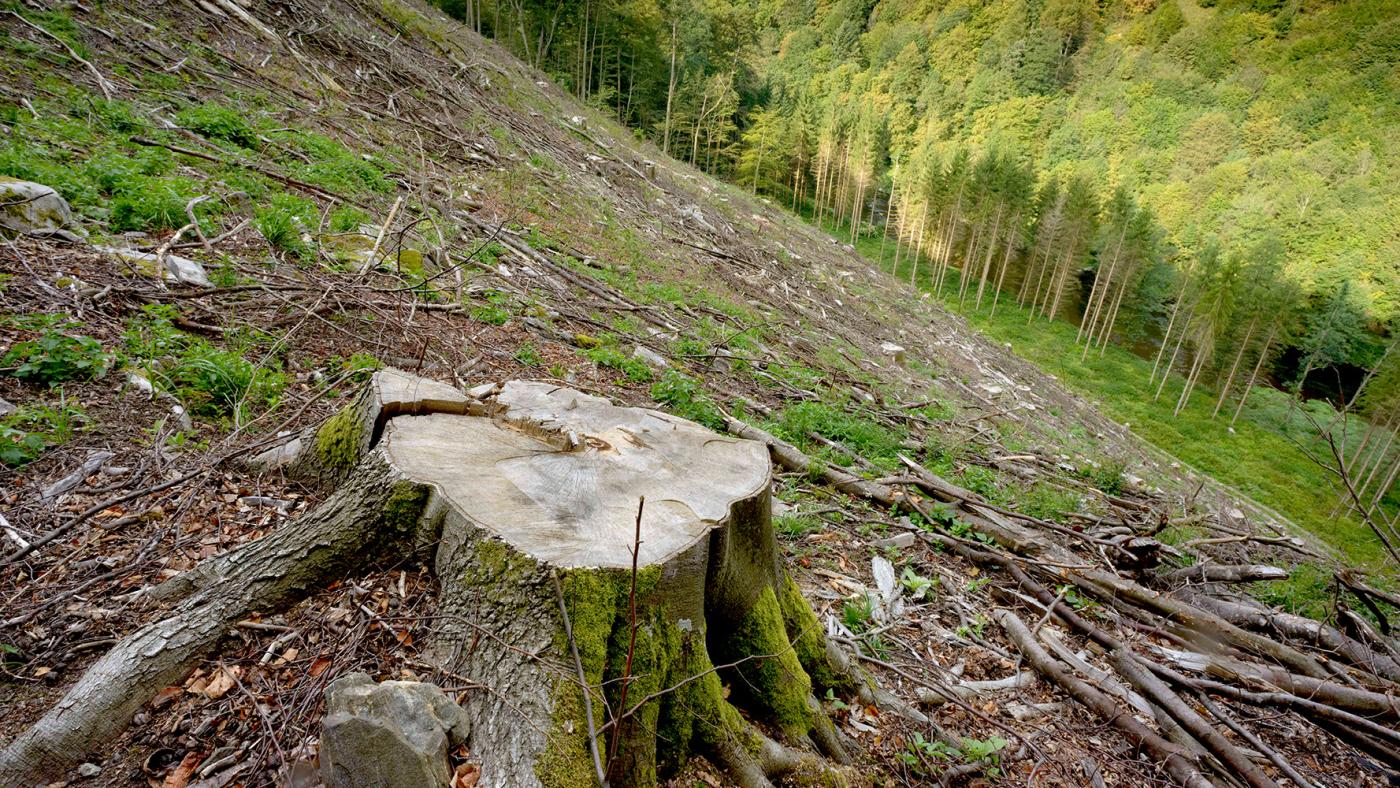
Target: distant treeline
(1214, 186)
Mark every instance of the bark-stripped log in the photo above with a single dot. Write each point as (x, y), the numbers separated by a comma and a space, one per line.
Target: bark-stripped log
(1173, 758)
(1226, 573)
(528, 504)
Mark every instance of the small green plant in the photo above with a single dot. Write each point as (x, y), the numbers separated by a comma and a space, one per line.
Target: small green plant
(683, 396)
(18, 447)
(494, 311)
(55, 357)
(528, 355)
(915, 584)
(863, 436)
(836, 703)
(1307, 591)
(923, 755)
(1106, 476)
(361, 365)
(611, 357)
(1076, 600)
(281, 222)
(876, 646)
(150, 204)
(857, 613)
(796, 525)
(153, 334)
(977, 584)
(211, 381)
(977, 625)
(1048, 502)
(986, 751)
(223, 383)
(347, 218)
(25, 433)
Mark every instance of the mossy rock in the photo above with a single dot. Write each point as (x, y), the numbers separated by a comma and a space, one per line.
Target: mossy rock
(28, 208)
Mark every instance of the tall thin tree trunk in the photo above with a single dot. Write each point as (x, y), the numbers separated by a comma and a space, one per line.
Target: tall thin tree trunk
(1230, 379)
(1375, 465)
(1005, 263)
(986, 267)
(670, 93)
(1091, 312)
(1254, 375)
(919, 243)
(1167, 337)
(899, 228)
(1171, 364)
(1113, 315)
(1190, 383)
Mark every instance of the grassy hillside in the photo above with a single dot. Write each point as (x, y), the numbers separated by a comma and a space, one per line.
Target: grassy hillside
(1268, 454)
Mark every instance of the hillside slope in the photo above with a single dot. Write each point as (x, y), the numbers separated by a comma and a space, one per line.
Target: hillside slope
(366, 184)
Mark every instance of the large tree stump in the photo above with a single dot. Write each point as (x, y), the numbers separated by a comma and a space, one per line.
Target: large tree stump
(526, 502)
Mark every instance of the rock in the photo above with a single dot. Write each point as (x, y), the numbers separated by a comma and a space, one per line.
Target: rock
(89, 770)
(899, 541)
(650, 357)
(7, 407)
(28, 208)
(177, 269)
(894, 351)
(390, 734)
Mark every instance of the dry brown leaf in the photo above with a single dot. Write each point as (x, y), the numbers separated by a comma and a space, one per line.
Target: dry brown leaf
(466, 775)
(318, 666)
(164, 696)
(182, 773)
(223, 681)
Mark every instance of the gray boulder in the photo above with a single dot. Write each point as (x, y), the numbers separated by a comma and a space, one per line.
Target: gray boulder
(28, 208)
(393, 734)
(177, 269)
(650, 357)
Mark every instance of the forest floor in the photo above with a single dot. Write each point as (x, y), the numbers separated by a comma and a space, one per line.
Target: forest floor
(519, 235)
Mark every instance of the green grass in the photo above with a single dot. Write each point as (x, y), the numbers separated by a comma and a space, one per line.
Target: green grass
(1258, 459)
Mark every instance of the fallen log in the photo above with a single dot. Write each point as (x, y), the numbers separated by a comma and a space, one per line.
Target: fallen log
(1159, 693)
(527, 507)
(1294, 627)
(1173, 758)
(1360, 701)
(1225, 573)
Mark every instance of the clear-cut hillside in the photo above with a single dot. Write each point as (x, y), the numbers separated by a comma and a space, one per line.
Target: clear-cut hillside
(348, 186)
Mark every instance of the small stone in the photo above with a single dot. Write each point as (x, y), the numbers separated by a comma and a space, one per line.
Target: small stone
(894, 351)
(6, 407)
(650, 357)
(394, 734)
(900, 541)
(89, 769)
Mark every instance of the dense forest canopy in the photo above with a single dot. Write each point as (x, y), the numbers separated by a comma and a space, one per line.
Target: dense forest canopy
(1215, 163)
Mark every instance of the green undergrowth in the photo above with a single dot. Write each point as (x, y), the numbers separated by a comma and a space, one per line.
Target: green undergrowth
(1260, 458)
(86, 148)
(31, 428)
(228, 384)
